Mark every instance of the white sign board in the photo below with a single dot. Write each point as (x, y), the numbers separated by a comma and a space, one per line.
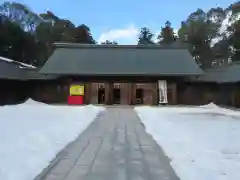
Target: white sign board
(162, 89)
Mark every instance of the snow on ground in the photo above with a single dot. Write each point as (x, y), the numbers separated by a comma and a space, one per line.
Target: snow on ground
(31, 134)
(203, 143)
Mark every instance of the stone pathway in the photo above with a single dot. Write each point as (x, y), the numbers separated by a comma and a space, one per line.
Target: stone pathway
(114, 147)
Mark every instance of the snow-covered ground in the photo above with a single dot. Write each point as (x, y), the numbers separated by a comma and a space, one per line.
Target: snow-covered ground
(203, 143)
(31, 134)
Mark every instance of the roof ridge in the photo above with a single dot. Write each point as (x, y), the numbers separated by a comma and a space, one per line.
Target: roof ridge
(141, 46)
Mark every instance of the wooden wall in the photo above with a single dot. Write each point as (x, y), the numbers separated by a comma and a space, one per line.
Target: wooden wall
(178, 93)
(204, 93)
(49, 92)
(127, 89)
(172, 93)
(150, 96)
(57, 92)
(13, 92)
(191, 94)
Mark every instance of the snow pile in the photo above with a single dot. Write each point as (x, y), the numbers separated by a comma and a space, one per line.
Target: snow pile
(32, 102)
(210, 109)
(211, 105)
(213, 108)
(200, 146)
(31, 134)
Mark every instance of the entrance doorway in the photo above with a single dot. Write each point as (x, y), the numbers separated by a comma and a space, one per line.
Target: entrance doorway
(139, 96)
(116, 96)
(101, 96)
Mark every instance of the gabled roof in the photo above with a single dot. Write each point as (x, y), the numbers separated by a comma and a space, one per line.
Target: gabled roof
(13, 70)
(21, 65)
(229, 74)
(82, 59)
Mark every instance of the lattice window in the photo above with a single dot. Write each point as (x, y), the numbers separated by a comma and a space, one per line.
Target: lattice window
(117, 86)
(140, 86)
(101, 85)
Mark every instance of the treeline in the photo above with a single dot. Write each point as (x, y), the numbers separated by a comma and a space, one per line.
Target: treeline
(213, 37)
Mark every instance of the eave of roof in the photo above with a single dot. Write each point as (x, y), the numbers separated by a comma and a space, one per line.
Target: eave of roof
(229, 74)
(10, 70)
(33, 74)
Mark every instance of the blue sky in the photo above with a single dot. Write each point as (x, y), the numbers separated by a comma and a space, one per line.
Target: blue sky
(121, 20)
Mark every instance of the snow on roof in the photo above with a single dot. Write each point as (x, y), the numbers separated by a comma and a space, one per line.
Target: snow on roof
(21, 65)
(228, 21)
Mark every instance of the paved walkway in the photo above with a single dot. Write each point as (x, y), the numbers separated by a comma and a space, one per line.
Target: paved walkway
(114, 147)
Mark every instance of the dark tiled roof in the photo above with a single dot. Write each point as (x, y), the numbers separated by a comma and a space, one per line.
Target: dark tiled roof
(78, 59)
(228, 74)
(10, 70)
(20, 64)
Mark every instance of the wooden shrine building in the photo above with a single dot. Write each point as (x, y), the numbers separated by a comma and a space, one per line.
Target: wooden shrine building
(122, 74)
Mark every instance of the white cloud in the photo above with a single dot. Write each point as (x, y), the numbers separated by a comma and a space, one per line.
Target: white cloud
(127, 35)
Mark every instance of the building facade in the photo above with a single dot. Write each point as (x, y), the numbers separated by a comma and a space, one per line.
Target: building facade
(122, 74)
(115, 74)
(123, 92)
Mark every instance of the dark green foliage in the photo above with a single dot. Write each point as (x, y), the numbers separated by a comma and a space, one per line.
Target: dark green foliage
(27, 37)
(109, 42)
(145, 36)
(166, 35)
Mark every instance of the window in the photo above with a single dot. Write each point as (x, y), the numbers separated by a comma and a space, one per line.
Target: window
(116, 86)
(101, 86)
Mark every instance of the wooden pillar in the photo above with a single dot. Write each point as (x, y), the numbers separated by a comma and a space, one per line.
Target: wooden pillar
(174, 93)
(87, 93)
(64, 88)
(94, 93)
(155, 93)
(130, 102)
(125, 89)
(146, 94)
(108, 93)
(133, 93)
(149, 93)
(233, 95)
